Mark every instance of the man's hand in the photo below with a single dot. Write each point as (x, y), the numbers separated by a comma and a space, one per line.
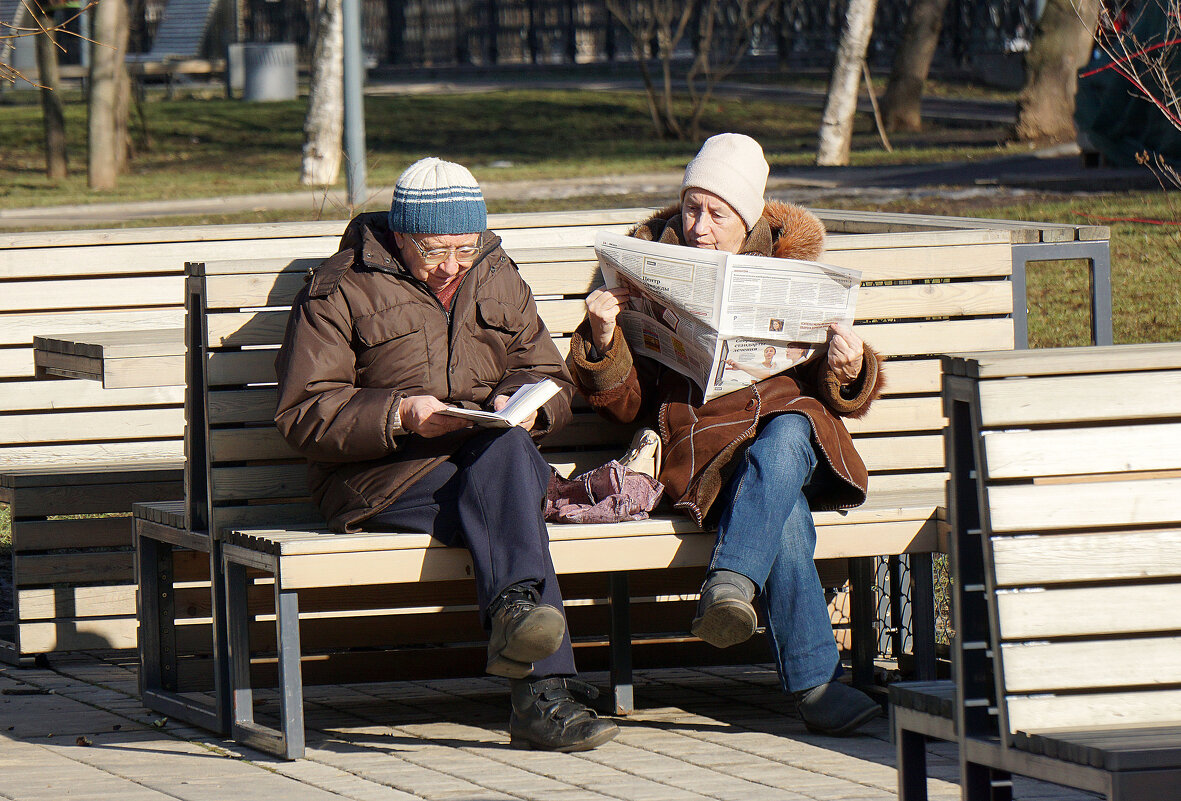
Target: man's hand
(602, 307)
(418, 417)
(500, 401)
(845, 351)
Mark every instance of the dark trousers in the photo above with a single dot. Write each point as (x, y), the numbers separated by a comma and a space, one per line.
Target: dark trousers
(488, 497)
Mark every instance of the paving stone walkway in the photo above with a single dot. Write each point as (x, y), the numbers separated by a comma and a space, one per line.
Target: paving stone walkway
(77, 731)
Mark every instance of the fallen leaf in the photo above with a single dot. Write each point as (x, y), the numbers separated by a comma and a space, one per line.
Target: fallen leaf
(83, 740)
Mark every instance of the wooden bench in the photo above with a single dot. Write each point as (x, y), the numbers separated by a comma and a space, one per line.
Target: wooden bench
(1032, 242)
(925, 294)
(71, 447)
(1066, 567)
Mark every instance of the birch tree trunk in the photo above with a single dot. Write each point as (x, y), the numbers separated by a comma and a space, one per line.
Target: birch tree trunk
(836, 126)
(902, 104)
(324, 124)
(107, 106)
(1061, 44)
(56, 162)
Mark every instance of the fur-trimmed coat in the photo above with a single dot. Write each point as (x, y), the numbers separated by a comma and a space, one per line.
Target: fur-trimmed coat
(700, 441)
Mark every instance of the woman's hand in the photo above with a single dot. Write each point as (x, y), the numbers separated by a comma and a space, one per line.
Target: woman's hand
(845, 352)
(418, 417)
(602, 307)
(500, 401)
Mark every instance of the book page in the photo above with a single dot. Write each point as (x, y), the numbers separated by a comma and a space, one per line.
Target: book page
(521, 404)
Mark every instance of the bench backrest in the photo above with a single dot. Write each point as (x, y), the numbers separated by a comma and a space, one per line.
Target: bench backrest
(925, 294)
(91, 282)
(1078, 459)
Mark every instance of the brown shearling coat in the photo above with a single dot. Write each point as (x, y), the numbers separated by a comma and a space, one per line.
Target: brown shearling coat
(364, 333)
(701, 441)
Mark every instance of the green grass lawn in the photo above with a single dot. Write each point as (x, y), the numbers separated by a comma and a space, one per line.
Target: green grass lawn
(211, 147)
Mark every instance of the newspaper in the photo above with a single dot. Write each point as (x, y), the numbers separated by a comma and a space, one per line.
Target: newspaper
(722, 319)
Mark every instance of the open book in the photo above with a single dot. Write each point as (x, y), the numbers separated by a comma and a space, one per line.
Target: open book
(523, 403)
(724, 320)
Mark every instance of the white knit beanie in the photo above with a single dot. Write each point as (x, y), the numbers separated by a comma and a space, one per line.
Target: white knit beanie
(733, 167)
(433, 196)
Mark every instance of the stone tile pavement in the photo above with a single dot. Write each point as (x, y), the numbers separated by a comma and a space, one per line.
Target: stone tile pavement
(77, 731)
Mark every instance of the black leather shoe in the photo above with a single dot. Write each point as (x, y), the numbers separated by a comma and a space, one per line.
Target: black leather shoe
(547, 717)
(725, 613)
(835, 709)
(523, 631)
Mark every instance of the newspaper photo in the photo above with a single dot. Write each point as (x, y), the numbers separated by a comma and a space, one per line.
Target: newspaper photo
(724, 320)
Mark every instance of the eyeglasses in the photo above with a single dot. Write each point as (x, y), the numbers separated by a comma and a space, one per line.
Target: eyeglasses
(464, 254)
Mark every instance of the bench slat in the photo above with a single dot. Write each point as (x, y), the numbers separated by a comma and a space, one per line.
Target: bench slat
(66, 394)
(103, 453)
(15, 328)
(92, 293)
(92, 426)
(1056, 558)
(1085, 505)
(1090, 611)
(1068, 451)
(112, 600)
(1037, 714)
(1063, 399)
(1046, 667)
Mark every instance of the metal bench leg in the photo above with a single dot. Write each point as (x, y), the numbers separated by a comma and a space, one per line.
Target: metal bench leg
(158, 679)
(911, 748)
(862, 613)
(288, 741)
(922, 616)
(621, 645)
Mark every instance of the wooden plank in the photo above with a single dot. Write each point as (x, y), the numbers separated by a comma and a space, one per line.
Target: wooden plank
(923, 263)
(88, 426)
(15, 328)
(1034, 714)
(77, 635)
(587, 428)
(119, 344)
(1086, 360)
(902, 453)
(328, 230)
(1046, 667)
(73, 568)
(1092, 398)
(935, 300)
(972, 236)
(76, 602)
(579, 555)
(1069, 451)
(1055, 558)
(1084, 505)
(1076, 612)
(951, 336)
(44, 395)
(93, 532)
(68, 365)
(16, 363)
(147, 371)
(168, 257)
(92, 293)
(93, 499)
(101, 453)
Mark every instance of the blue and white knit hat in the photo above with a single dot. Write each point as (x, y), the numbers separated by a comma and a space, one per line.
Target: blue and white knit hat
(434, 196)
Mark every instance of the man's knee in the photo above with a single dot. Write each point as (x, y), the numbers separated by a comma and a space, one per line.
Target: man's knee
(786, 436)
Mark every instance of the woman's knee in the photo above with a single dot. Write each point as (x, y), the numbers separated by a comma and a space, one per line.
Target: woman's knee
(785, 443)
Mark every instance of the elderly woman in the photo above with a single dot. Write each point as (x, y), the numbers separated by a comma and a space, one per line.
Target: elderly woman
(757, 460)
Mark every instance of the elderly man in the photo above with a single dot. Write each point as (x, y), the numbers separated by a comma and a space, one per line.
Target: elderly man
(421, 309)
(756, 460)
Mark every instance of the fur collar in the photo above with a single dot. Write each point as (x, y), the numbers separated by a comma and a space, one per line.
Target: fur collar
(785, 230)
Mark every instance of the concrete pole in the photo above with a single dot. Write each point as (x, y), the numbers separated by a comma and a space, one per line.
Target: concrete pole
(354, 108)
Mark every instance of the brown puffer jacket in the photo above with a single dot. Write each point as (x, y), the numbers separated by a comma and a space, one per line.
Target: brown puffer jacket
(364, 333)
(701, 441)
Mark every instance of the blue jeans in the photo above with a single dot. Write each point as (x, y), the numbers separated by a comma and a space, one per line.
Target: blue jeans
(766, 534)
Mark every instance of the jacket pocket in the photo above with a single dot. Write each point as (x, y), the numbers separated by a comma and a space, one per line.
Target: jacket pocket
(393, 349)
(499, 316)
